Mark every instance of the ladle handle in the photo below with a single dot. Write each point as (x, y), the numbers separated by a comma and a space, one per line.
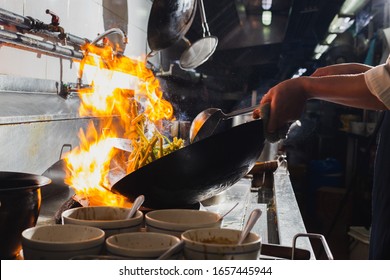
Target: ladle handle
(242, 111)
(205, 26)
(171, 251)
(136, 205)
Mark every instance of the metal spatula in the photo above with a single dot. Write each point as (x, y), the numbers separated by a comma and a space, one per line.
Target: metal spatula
(121, 143)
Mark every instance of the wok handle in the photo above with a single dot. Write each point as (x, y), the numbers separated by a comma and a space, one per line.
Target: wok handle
(69, 146)
(312, 235)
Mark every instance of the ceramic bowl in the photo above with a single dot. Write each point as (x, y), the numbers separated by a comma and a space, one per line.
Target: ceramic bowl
(61, 242)
(141, 245)
(111, 219)
(176, 221)
(220, 244)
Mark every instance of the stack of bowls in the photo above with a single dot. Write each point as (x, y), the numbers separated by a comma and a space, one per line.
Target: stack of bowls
(220, 244)
(177, 221)
(61, 242)
(141, 245)
(111, 219)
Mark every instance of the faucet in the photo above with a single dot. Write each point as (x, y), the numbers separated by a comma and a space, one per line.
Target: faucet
(108, 32)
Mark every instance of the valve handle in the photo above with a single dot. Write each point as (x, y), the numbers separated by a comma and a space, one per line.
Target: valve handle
(55, 19)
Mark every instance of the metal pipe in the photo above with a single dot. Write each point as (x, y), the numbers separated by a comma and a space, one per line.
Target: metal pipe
(75, 40)
(37, 45)
(20, 21)
(108, 32)
(28, 24)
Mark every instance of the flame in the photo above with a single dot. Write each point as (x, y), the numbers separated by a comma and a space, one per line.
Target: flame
(90, 165)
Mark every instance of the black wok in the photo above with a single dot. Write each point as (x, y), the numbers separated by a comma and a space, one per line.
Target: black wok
(169, 21)
(198, 171)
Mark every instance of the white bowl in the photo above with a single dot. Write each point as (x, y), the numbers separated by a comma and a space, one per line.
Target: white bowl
(176, 221)
(220, 244)
(140, 245)
(61, 242)
(111, 219)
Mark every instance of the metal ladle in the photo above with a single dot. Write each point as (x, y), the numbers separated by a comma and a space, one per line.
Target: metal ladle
(136, 205)
(207, 121)
(253, 217)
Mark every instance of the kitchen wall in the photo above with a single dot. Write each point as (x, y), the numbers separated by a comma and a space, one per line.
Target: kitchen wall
(86, 19)
(36, 127)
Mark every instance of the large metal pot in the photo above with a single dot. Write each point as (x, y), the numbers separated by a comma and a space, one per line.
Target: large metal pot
(169, 21)
(20, 201)
(198, 171)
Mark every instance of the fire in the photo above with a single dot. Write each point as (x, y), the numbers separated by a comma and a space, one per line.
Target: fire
(138, 108)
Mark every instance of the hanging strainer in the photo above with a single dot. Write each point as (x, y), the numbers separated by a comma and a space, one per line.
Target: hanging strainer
(200, 51)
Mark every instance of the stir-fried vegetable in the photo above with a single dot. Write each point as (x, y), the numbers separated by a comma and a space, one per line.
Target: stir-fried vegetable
(147, 149)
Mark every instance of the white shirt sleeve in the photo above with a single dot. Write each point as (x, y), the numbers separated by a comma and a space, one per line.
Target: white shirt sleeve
(378, 82)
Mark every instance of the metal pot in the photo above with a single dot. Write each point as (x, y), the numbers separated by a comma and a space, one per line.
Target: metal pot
(169, 21)
(20, 201)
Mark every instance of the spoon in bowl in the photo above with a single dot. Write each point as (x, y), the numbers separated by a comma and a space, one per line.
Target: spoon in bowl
(227, 212)
(136, 205)
(172, 250)
(253, 217)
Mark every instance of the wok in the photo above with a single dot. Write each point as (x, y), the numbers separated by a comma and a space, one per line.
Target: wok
(198, 171)
(169, 21)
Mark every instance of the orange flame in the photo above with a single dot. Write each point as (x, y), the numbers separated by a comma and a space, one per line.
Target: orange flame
(119, 112)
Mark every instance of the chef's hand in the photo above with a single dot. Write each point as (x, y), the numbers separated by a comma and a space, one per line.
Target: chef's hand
(285, 103)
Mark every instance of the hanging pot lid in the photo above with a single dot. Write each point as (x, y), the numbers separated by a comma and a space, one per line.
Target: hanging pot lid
(169, 21)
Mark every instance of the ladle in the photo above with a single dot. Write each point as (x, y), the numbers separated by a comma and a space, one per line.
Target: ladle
(207, 121)
(253, 217)
(136, 205)
(230, 210)
(172, 250)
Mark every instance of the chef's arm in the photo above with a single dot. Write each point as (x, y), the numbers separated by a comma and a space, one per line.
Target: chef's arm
(287, 99)
(341, 69)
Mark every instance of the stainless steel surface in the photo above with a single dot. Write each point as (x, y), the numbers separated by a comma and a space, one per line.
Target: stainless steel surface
(35, 127)
(317, 236)
(289, 217)
(16, 84)
(248, 201)
(34, 107)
